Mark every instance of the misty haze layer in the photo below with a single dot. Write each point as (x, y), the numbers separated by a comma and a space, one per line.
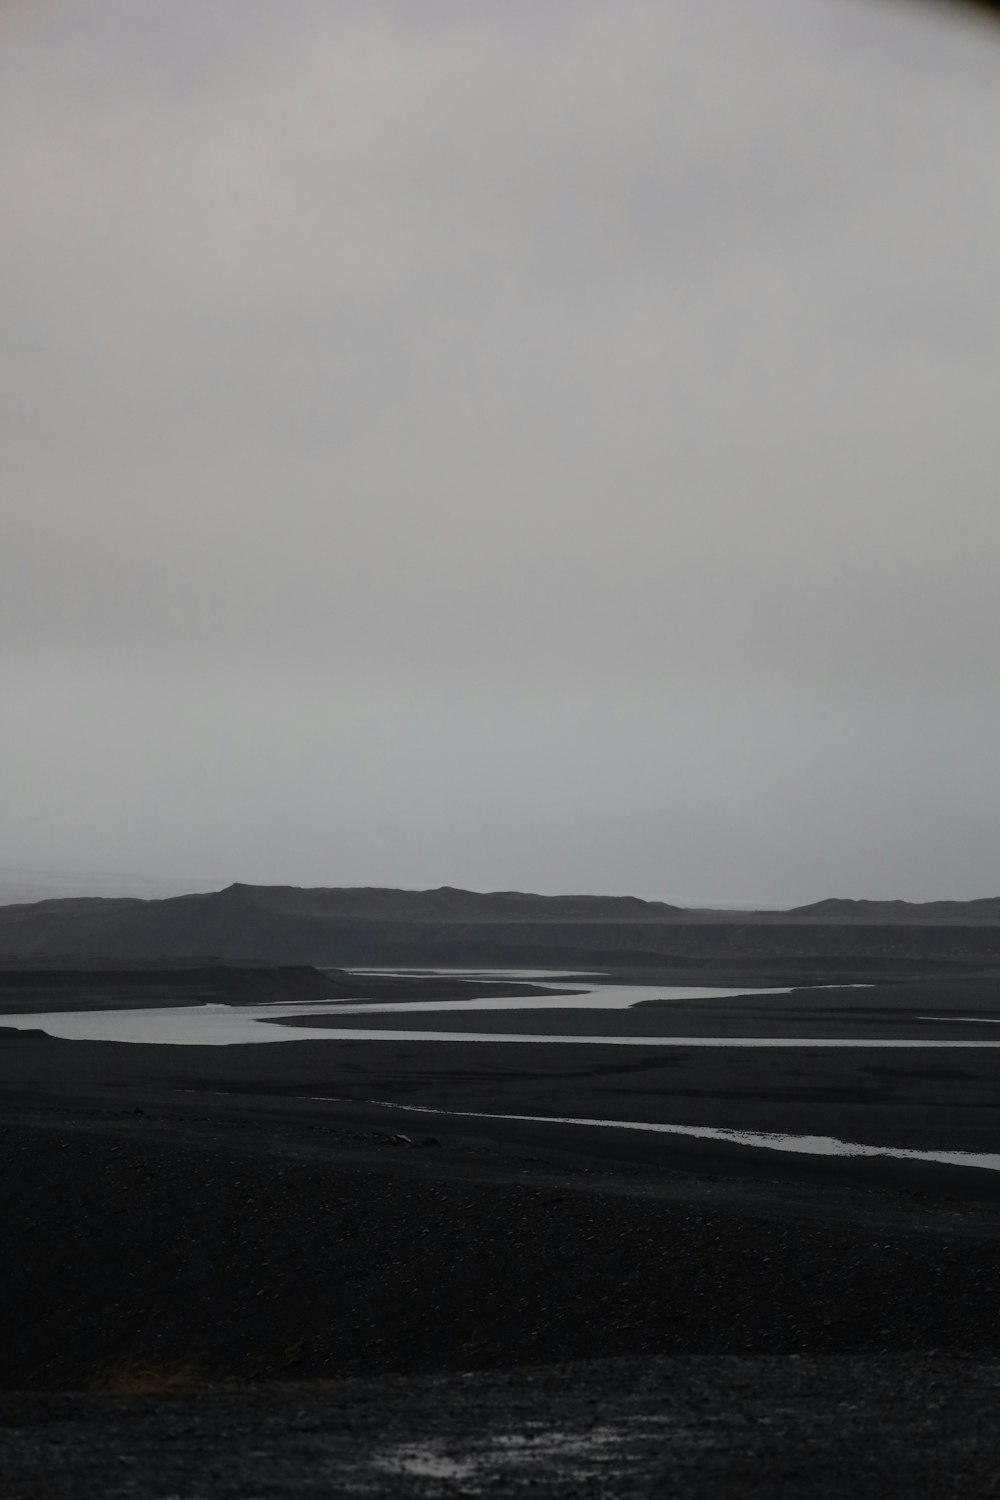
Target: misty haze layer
(524, 445)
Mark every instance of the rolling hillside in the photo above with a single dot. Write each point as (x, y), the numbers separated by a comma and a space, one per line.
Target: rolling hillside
(289, 925)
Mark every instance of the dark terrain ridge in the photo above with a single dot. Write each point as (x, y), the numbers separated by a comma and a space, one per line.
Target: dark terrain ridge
(287, 925)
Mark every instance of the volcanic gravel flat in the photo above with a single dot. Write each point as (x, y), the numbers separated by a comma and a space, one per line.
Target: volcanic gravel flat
(723, 1320)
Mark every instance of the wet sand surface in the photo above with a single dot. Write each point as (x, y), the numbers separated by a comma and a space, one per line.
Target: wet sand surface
(200, 1214)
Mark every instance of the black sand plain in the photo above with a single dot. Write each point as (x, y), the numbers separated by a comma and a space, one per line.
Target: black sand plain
(376, 1300)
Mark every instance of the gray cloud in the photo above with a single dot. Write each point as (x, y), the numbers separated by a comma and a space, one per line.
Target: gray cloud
(529, 445)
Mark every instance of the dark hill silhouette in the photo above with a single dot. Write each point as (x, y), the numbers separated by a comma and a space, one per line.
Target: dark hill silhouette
(985, 910)
(373, 926)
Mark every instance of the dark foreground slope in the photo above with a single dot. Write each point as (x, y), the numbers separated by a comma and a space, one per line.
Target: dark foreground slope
(286, 925)
(473, 1321)
(689, 1428)
(252, 1246)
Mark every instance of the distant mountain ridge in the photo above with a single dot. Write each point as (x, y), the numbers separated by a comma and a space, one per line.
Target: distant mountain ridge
(352, 926)
(837, 909)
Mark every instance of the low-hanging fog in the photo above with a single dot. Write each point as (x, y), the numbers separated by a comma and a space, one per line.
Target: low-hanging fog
(534, 443)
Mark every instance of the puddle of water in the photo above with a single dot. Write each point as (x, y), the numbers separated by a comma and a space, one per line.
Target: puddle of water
(541, 1445)
(565, 1455)
(423, 1463)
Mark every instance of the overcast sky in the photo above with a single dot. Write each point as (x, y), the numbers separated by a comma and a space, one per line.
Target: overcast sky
(505, 443)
